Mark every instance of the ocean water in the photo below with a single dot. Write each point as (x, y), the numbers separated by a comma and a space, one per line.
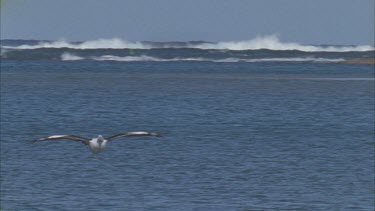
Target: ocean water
(255, 125)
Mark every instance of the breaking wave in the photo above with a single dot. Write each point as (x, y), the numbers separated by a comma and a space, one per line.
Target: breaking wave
(114, 43)
(271, 42)
(144, 58)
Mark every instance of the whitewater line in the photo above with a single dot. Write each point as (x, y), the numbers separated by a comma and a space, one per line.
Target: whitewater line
(261, 42)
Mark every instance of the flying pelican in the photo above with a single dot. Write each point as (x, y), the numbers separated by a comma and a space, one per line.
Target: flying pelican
(96, 144)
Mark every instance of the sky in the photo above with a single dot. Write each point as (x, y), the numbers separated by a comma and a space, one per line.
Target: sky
(349, 22)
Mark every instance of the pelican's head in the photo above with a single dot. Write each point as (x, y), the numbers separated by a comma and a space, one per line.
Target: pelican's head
(100, 138)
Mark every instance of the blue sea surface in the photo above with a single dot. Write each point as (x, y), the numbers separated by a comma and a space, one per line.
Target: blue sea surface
(237, 134)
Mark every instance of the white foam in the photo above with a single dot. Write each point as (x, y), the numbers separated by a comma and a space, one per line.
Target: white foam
(114, 43)
(127, 58)
(57, 136)
(144, 58)
(295, 59)
(70, 57)
(271, 42)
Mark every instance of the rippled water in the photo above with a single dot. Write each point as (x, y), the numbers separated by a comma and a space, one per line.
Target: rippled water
(240, 136)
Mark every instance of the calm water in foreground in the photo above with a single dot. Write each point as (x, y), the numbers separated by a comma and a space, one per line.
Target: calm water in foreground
(237, 136)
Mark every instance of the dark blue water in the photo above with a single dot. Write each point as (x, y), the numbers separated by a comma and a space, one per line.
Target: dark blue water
(237, 135)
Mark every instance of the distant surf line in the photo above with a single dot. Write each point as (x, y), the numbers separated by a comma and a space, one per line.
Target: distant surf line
(144, 58)
(270, 42)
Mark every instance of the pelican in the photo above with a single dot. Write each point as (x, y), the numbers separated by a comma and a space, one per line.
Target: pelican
(96, 144)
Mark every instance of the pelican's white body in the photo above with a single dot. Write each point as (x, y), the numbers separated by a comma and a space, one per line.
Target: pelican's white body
(97, 144)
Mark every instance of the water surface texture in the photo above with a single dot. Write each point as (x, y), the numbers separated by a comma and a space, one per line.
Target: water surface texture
(243, 129)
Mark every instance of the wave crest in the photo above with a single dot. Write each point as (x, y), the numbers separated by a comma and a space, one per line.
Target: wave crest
(271, 42)
(145, 58)
(114, 43)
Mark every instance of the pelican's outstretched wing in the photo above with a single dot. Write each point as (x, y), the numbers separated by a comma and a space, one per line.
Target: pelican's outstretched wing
(132, 134)
(70, 137)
